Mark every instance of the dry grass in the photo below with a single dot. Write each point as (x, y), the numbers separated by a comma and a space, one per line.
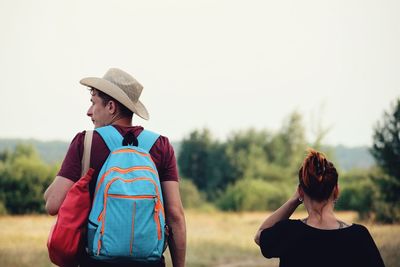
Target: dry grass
(214, 239)
(23, 241)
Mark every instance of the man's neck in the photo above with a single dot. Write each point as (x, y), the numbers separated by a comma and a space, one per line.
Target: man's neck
(124, 122)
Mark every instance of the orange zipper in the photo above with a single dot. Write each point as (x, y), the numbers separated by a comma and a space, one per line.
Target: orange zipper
(130, 150)
(133, 197)
(120, 170)
(158, 205)
(157, 217)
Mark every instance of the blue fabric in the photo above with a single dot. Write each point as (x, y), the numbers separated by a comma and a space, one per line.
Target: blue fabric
(111, 136)
(146, 139)
(127, 221)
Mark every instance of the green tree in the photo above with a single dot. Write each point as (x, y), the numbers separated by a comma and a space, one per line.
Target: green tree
(201, 159)
(23, 179)
(288, 147)
(249, 154)
(246, 155)
(193, 156)
(386, 151)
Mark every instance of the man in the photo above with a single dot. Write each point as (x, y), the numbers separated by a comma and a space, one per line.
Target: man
(115, 98)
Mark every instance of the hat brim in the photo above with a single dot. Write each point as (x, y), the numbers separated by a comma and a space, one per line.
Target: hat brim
(114, 91)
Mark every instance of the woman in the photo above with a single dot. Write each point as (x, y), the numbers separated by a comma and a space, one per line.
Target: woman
(321, 239)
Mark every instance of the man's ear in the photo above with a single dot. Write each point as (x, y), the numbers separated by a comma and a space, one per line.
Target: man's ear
(111, 107)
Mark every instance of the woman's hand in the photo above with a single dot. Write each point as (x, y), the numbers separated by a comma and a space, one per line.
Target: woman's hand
(284, 212)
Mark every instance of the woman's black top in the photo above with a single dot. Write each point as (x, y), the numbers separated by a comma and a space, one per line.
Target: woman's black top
(297, 244)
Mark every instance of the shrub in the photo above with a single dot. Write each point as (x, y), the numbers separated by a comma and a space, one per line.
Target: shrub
(252, 195)
(358, 193)
(357, 197)
(23, 179)
(190, 195)
(3, 210)
(387, 209)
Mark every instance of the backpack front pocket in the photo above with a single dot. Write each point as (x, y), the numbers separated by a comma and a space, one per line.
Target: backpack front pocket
(136, 233)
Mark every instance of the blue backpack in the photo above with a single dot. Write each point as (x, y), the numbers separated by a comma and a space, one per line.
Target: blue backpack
(127, 220)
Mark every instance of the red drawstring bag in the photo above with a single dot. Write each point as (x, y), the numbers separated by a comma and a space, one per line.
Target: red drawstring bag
(66, 243)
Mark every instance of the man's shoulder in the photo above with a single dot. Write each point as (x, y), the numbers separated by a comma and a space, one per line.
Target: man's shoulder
(78, 138)
(139, 129)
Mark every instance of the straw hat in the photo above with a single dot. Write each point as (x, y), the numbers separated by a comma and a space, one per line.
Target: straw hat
(122, 87)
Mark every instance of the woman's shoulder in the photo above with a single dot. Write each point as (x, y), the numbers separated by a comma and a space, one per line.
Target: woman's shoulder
(359, 228)
(284, 226)
(288, 223)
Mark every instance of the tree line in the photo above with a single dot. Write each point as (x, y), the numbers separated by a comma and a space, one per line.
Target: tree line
(258, 169)
(251, 170)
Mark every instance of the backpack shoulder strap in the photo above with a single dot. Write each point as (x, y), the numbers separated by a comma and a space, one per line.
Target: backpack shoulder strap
(87, 147)
(111, 136)
(146, 139)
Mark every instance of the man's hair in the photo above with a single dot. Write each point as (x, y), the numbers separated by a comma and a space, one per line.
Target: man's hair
(317, 176)
(124, 111)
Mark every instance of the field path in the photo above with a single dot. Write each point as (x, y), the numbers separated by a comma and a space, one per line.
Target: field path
(252, 263)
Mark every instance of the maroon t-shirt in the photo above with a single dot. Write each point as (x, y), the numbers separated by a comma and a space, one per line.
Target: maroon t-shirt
(162, 154)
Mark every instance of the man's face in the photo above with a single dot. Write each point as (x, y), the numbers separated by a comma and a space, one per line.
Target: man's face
(98, 112)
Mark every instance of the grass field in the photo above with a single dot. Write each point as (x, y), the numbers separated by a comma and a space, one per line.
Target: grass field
(214, 239)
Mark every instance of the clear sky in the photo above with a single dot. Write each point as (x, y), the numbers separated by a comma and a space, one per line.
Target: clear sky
(225, 65)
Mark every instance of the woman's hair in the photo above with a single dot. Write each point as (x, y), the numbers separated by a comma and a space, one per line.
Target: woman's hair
(124, 111)
(317, 176)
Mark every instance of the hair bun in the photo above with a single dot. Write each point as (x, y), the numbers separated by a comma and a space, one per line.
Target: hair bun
(320, 164)
(317, 175)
